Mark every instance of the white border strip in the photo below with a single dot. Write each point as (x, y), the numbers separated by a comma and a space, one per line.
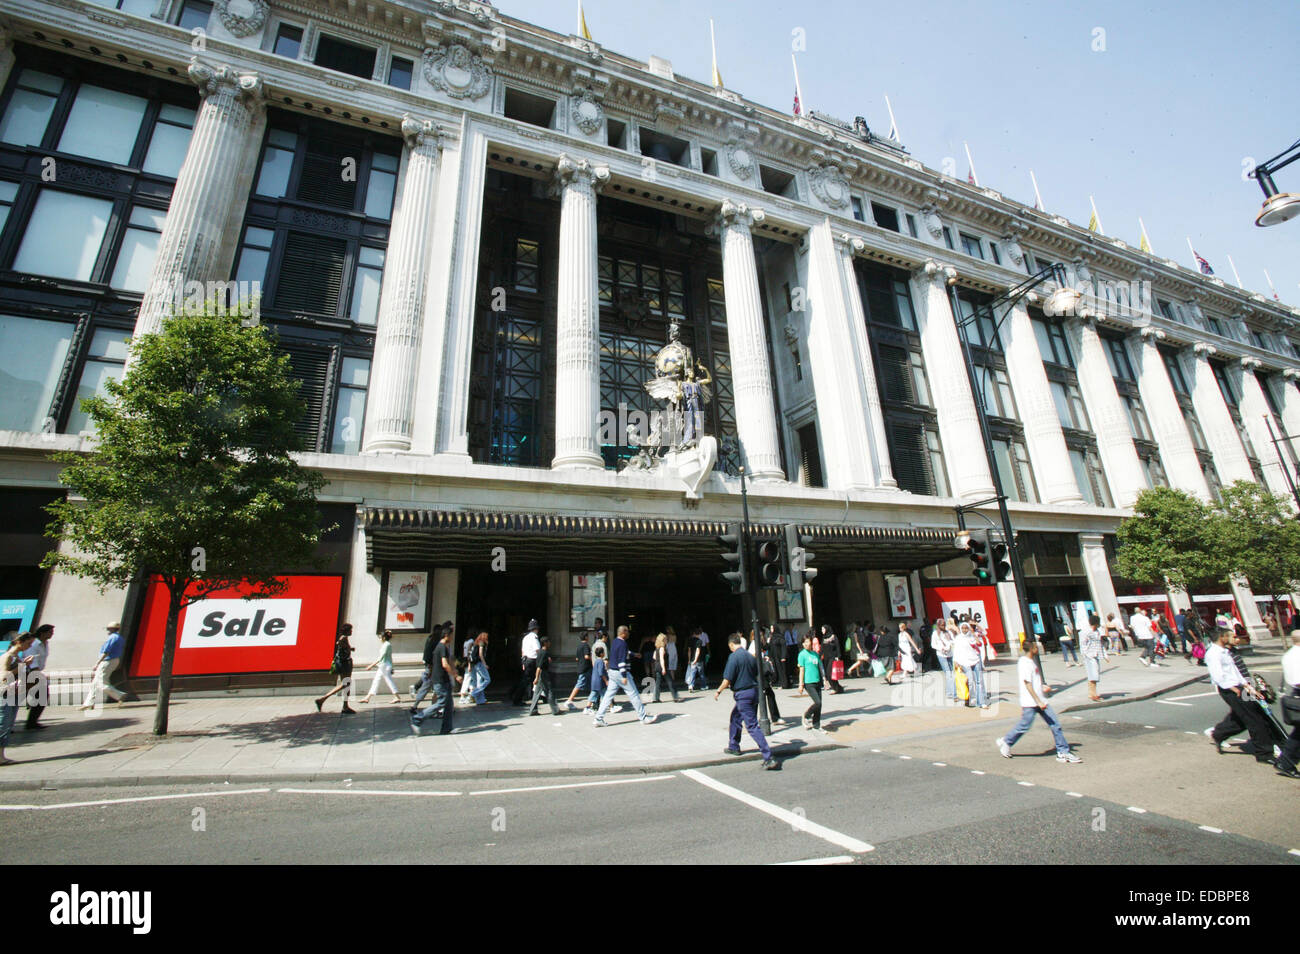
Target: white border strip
(833, 860)
(359, 791)
(139, 798)
(797, 822)
(550, 788)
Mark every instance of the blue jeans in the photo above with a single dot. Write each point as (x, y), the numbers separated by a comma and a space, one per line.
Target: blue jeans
(620, 680)
(975, 680)
(8, 713)
(744, 710)
(443, 704)
(479, 682)
(949, 681)
(1027, 719)
(1068, 650)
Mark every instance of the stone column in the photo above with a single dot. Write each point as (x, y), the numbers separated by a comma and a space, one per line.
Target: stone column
(6, 53)
(751, 374)
(1288, 403)
(959, 430)
(1177, 451)
(1216, 420)
(1254, 409)
(837, 357)
(1043, 435)
(577, 339)
(865, 365)
(1109, 418)
(390, 408)
(1248, 609)
(1100, 585)
(202, 211)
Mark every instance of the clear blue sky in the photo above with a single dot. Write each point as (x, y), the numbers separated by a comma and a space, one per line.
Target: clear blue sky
(1157, 125)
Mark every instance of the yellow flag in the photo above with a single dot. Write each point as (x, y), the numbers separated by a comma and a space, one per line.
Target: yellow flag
(582, 24)
(1093, 224)
(717, 77)
(1144, 245)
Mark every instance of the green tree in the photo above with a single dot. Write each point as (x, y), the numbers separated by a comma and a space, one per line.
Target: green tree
(1256, 535)
(1167, 542)
(191, 478)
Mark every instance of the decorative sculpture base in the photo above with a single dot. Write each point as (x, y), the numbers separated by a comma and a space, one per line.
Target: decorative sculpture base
(693, 465)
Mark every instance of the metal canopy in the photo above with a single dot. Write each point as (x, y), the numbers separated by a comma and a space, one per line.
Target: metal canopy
(412, 537)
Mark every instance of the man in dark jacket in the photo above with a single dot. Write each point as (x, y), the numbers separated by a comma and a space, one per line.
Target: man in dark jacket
(425, 684)
(741, 675)
(887, 652)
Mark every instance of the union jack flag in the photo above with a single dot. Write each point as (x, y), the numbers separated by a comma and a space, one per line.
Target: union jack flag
(1202, 264)
(798, 110)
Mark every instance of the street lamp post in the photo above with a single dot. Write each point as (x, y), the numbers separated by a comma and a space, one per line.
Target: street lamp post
(1056, 273)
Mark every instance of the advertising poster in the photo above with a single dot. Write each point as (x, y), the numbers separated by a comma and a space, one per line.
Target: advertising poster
(1080, 610)
(900, 596)
(789, 605)
(226, 635)
(407, 601)
(588, 600)
(981, 602)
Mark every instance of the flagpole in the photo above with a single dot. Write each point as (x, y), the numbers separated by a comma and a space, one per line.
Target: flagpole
(1195, 264)
(1234, 272)
(1270, 284)
(1145, 238)
(1034, 180)
(713, 43)
(970, 162)
(803, 103)
(893, 126)
(1100, 228)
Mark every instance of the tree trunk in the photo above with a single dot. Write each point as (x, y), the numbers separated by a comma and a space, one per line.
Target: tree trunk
(175, 593)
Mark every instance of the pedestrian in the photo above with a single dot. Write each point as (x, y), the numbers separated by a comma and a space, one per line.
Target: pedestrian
(482, 677)
(887, 653)
(621, 678)
(599, 674)
(342, 668)
(941, 638)
(12, 683)
(1237, 694)
(1067, 644)
(1286, 762)
(966, 649)
(741, 676)
(809, 665)
(110, 657)
(1092, 654)
(444, 678)
(1143, 631)
(38, 684)
(760, 654)
(646, 656)
(383, 667)
(583, 659)
(661, 667)
(1033, 702)
(468, 679)
(791, 638)
(830, 653)
(425, 683)
(528, 650)
(1180, 624)
(1115, 635)
(694, 662)
(776, 655)
(1274, 730)
(673, 661)
(908, 650)
(542, 678)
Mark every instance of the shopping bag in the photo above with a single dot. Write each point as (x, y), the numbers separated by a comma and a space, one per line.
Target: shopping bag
(877, 668)
(837, 670)
(963, 689)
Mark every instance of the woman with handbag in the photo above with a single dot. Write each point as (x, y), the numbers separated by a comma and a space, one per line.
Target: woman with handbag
(481, 678)
(662, 669)
(343, 669)
(383, 667)
(966, 653)
(908, 650)
(1115, 634)
(12, 683)
(1092, 653)
(887, 653)
(941, 641)
(831, 660)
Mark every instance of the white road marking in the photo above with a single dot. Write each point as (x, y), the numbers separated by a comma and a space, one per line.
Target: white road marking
(1138, 811)
(1111, 722)
(549, 788)
(1294, 851)
(906, 758)
(1026, 784)
(940, 764)
(876, 751)
(1148, 727)
(1216, 831)
(1075, 794)
(1077, 718)
(976, 772)
(789, 817)
(1199, 695)
(833, 860)
(1166, 702)
(361, 791)
(138, 798)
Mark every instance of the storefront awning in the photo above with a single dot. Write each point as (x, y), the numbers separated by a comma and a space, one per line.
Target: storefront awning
(411, 537)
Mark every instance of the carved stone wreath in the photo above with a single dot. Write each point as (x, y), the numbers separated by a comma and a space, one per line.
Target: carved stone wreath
(456, 71)
(740, 159)
(586, 111)
(829, 185)
(243, 17)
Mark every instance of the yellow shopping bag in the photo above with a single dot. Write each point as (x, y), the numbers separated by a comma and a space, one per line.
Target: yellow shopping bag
(963, 688)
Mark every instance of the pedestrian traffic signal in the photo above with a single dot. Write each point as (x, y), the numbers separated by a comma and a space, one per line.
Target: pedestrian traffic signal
(799, 558)
(977, 548)
(733, 543)
(768, 555)
(1001, 560)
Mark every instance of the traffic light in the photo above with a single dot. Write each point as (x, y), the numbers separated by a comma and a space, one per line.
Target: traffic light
(977, 548)
(767, 556)
(733, 542)
(1001, 560)
(800, 571)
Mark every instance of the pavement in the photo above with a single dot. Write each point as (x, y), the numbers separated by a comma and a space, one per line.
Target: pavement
(246, 738)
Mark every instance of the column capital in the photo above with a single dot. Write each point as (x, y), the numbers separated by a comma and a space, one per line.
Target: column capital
(1203, 349)
(1149, 333)
(1250, 364)
(847, 244)
(1292, 375)
(225, 80)
(421, 132)
(579, 173)
(739, 214)
(6, 34)
(936, 272)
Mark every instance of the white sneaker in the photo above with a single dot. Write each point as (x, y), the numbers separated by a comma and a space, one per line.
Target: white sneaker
(1004, 748)
(1069, 757)
(1145, 663)
(647, 719)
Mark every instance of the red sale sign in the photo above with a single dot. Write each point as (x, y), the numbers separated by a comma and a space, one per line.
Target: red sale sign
(981, 601)
(225, 634)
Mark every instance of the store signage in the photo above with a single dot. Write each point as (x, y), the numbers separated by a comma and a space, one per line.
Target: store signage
(224, 623)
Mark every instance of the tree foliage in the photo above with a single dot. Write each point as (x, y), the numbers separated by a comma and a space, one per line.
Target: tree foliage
(1167, 541)
(190, 478)
(1257, 536)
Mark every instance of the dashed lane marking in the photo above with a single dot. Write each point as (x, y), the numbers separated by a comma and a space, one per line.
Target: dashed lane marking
(976, 772)
(833, 860)
(1211, 829)
(364, 791)
(1075, 794)
(1026, 784)
(1136, 810)
(1167, 702)
(790, 818)
(138, 798)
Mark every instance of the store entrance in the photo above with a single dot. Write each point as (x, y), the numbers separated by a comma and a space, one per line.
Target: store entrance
(651, 601)
(502, 604)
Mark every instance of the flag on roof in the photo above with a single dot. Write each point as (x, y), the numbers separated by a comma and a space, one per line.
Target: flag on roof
(713, 43)
(582, 23)
(1145, 244)
(797, 110)
(1202, 264)
(1093, 224)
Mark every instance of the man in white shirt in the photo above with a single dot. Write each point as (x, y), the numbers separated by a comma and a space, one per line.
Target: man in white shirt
(1243, 710)
(38, 686)
(1286, 763)
(528, 650)
(1033, 701)
(1144, 632)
